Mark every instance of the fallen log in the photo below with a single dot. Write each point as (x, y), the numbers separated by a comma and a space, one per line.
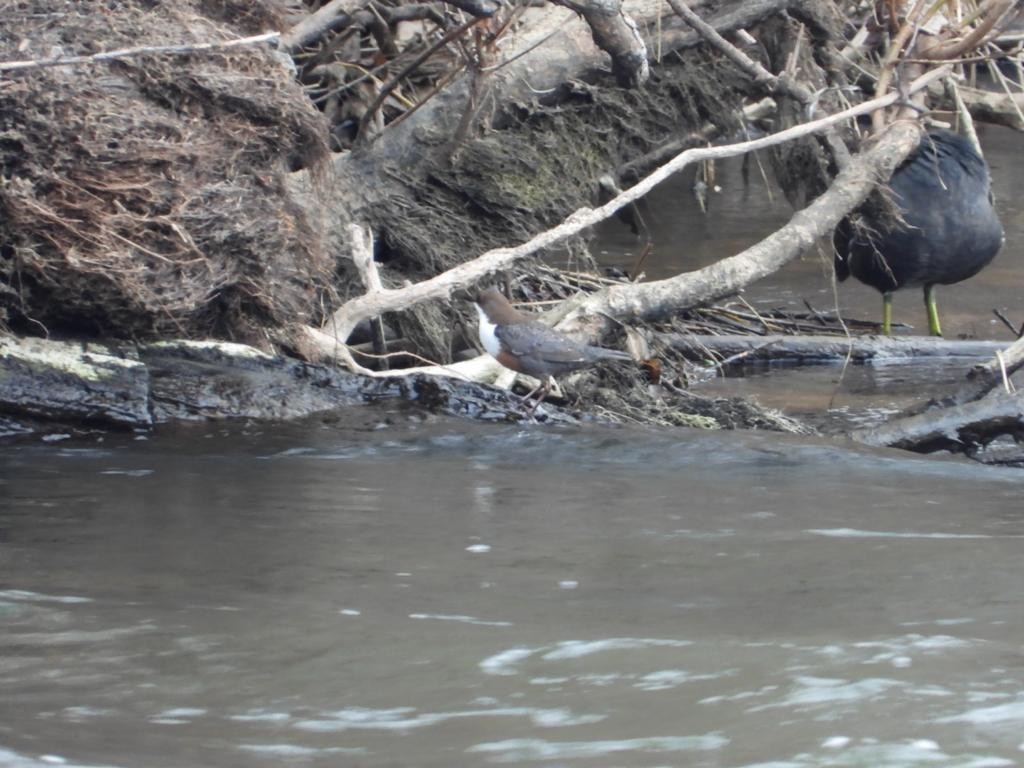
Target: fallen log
(48, 386)
(988, 106)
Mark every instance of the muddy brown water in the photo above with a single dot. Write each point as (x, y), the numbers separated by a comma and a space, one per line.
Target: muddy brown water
(437, 594)
(389, 590)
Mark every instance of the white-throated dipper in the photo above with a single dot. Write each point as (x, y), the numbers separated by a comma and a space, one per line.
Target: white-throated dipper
(525, 345)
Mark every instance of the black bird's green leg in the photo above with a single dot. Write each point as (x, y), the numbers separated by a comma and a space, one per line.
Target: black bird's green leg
(933, 311)
(887, 313)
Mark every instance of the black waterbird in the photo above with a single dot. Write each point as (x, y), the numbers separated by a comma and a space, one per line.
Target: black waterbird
(948, 233)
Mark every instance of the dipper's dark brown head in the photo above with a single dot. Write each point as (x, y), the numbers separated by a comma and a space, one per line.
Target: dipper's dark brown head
(498, 309)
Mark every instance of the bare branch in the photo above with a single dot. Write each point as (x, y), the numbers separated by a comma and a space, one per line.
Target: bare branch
(760, 75)
(775, 84)
(123, 53)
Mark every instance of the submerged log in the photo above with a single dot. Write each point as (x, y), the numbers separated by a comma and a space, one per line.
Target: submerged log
(968, 420)
(964, 428)
(824, 348)
(983, 378)
(215, 380)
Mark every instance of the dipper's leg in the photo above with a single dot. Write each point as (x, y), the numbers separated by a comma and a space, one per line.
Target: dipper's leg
(933, 311)
(543, 389)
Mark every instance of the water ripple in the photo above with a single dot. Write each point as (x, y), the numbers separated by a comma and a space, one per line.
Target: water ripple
(405, 718)
(516, 750)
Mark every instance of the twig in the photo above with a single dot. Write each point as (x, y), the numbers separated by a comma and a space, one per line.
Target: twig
(740, 355)
(1006, 321)
(121, 53)
(767, 326)
(389, 355)
(411, 67)
(964, 114)
(891, 58)
(438, 87)
(784, 85)
(760, 75)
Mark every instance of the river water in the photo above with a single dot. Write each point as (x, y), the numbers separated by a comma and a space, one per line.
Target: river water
(429, 593)
(391, 589)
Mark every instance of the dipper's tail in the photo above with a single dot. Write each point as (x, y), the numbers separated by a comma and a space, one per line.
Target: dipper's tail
(600, 353)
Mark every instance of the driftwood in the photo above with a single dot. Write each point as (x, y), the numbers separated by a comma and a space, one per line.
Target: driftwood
(982, 379)
(964, 422)
(824, 348)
